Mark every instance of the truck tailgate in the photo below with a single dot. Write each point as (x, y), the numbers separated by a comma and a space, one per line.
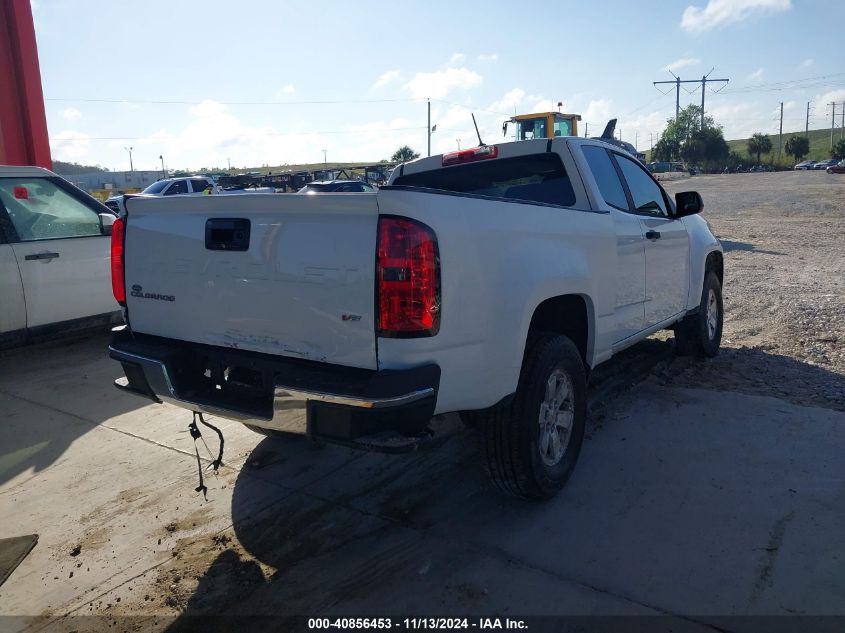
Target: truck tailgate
(302, 287)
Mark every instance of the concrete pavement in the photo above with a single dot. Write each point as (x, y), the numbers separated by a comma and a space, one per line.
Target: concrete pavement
(686, 502)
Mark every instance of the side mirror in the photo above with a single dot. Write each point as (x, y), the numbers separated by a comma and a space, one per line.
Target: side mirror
(106, 221)
(688, 203)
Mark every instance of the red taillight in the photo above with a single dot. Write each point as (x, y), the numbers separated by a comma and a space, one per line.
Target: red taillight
(407, 278)
(482, 152)
(117, 283)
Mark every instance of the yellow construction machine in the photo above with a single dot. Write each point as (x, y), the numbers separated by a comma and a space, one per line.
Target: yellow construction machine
(543, 125)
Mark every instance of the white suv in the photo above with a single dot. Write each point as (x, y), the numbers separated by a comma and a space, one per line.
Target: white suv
(189, 185)
(54, 257)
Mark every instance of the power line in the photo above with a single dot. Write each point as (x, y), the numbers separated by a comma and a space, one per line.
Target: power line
(234, 103)
(678, 81)
(171, 137)
(806, 82)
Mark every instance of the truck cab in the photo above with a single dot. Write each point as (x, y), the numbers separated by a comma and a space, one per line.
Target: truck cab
(543, 125)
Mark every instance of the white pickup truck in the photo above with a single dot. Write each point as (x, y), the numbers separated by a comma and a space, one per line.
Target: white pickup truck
(489, 282)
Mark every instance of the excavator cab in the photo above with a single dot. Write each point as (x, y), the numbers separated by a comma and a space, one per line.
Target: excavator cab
(543, 125)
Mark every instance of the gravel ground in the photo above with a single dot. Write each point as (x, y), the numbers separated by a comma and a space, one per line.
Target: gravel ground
(784, 241)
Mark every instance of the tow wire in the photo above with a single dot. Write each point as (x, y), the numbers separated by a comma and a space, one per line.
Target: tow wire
(215, 463)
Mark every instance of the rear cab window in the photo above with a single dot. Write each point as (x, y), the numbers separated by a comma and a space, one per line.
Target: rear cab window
(536, 178)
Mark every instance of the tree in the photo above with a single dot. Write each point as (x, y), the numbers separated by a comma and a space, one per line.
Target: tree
(838, 150)
(797, 146)
(687, 138)
(404, 154)
(759, 144)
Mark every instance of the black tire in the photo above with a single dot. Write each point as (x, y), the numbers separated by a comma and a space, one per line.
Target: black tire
(511, 435)
(694, 336)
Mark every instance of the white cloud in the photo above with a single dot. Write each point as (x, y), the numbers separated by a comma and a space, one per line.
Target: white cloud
(757, 75)
(69, 145)
(806, 63)
(488, 57)
(71, 114)
(543, 105)
(288, 89)
(510, 100)
(214, 134)
(836, 96)
(385, 78)
(599, 111)
(440, 83)
(683, 62)
(376, 140)
(457, 58)
(719, 13)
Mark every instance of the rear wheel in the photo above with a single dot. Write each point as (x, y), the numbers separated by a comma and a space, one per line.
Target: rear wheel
(700, 334)
(530, 447)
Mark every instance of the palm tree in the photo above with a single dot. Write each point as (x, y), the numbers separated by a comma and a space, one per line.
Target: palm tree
(404, 154)
(759, 144)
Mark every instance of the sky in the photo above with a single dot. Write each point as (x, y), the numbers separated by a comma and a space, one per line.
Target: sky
(212, 84)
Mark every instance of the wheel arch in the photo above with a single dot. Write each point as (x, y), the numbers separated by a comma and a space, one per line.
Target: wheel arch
(715, 262)
(570, 315)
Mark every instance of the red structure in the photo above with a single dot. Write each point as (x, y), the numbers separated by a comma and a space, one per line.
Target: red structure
(23, 124)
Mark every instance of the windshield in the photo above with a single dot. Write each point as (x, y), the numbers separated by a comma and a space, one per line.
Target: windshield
(156, 187)
(531, 128)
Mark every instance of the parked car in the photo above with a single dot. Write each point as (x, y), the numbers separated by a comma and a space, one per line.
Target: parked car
(337, 186)
(805, 165)
(838, 168)
(54, 257)
(190, 185)
(488, 281)
(824, 164)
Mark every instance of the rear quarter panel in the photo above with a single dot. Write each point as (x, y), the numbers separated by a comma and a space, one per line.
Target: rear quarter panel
(499, 261)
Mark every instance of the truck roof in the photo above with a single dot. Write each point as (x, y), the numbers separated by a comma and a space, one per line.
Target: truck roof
(506, 150)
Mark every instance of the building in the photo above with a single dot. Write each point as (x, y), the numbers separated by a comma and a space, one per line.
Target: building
(113, 180)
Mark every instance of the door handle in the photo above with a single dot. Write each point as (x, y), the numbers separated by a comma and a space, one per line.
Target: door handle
(652, 235)
(41, 256)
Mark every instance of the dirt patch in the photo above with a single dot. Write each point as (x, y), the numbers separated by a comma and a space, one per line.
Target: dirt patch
(784, 332)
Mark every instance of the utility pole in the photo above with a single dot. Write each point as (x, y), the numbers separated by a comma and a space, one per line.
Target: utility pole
(678, 81)
(704, 80)
(780, 133)
(163, 172)
(636, 136)
(832, 121)
(807, 125)
(586, 127)
(651, 141)
(429, 126)
(131, 166)
(325, 161)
